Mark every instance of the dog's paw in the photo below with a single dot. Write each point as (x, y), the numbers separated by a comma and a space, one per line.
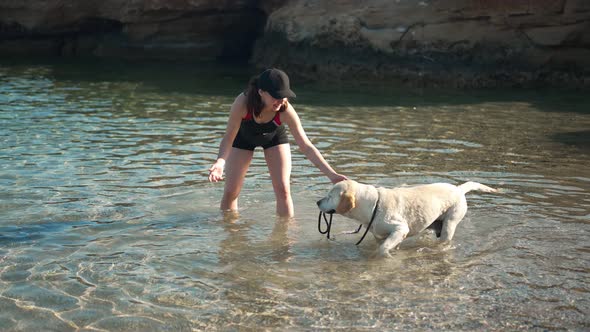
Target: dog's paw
(381, 254)
(425, 250)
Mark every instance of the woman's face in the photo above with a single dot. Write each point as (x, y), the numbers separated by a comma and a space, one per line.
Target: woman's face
(270, 101)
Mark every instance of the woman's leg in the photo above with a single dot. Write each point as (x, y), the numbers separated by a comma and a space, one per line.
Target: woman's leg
(236, 166)
(278, 159)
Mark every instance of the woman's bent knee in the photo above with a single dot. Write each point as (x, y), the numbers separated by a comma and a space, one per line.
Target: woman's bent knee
(282, 193)
(231, 195)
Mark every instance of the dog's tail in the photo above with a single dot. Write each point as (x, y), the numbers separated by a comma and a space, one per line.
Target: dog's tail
(469, 186)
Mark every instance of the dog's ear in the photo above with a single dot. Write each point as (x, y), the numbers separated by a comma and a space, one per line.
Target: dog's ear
(347, 202)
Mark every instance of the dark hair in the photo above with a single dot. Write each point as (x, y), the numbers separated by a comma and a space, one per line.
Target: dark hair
(253, 101)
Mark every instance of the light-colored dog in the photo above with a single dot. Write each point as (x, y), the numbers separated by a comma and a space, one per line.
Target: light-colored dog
(401, 212)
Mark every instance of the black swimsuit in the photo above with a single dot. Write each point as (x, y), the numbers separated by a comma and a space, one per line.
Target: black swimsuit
(266, 135)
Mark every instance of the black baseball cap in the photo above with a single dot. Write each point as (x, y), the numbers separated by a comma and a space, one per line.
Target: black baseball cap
(276, 83)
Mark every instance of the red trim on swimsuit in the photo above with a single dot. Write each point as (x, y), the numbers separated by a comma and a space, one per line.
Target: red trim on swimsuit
(276, 119)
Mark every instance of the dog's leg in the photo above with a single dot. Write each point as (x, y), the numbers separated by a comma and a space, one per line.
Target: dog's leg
(453, 217)
(393, 240)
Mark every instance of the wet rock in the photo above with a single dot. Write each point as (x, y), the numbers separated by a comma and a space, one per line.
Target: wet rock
(460, 43)
(430, 42)
(204, 29)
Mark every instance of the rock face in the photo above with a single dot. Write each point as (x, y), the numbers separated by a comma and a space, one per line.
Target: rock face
(198, 29)
(440, 42)
(458, 42)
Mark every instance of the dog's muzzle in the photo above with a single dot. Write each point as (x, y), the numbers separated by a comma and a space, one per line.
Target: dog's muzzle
(319, 203)
(332, 211)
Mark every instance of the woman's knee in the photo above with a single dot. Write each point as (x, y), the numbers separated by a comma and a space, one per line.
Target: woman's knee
(282, 191)
(231, 193)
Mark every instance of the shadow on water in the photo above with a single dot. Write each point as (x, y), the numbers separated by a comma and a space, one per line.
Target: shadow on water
(11, 236)
(579, 139)
(204, 78)
(228, 79)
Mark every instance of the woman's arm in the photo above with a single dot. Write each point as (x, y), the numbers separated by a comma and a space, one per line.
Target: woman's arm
(237, 112)
(291, 118)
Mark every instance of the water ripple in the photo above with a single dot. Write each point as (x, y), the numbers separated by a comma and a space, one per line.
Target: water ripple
(108, 220)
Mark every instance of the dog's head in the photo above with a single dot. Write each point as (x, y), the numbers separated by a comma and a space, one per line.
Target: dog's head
(340, 199)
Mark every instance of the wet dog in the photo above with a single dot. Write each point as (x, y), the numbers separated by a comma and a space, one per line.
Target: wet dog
(397, 213)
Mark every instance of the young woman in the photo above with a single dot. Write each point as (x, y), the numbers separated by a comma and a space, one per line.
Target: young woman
(257, 118)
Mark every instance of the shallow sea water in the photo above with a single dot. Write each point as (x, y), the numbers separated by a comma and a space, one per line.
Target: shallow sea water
(108, 223)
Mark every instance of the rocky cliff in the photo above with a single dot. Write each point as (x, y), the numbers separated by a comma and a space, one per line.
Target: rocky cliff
(197, 29)
(474, 43)
(458, 42)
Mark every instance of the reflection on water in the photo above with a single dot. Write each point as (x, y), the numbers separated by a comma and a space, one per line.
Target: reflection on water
(108, 222)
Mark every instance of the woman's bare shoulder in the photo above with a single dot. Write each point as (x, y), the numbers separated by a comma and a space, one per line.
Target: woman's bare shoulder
(241, 97)
(241, 100)
(239, 105)
(289, 112)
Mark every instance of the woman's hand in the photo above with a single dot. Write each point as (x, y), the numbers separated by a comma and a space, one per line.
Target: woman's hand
(337, 178)
(216, 171)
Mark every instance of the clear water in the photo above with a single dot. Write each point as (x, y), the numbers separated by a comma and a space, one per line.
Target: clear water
(107, 221)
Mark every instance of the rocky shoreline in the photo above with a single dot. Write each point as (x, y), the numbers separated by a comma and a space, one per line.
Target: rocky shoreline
(415, 70)
(418, 43)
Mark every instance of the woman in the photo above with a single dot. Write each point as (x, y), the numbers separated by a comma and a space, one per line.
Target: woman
(257, 118)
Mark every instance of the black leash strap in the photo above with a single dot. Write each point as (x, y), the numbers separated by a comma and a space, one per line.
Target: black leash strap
(370, 222)
(328, 224)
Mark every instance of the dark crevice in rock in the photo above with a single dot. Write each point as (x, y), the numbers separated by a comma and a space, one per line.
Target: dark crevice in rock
(87, 26)
(226, 36)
